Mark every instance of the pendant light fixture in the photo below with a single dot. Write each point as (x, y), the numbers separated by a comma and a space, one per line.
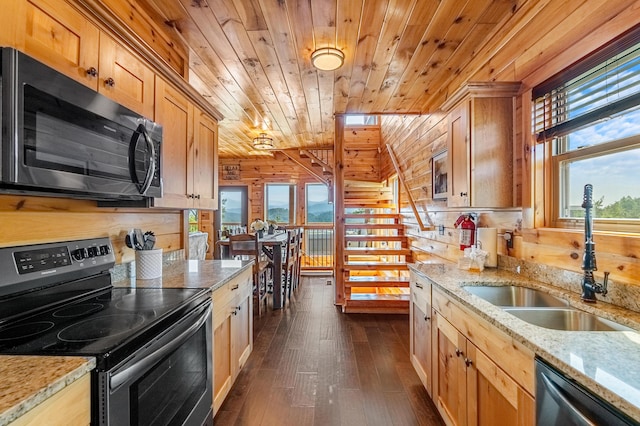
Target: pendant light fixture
(263, 142)
(327, 59)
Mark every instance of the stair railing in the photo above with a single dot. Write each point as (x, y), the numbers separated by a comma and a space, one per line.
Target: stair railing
(412, 203)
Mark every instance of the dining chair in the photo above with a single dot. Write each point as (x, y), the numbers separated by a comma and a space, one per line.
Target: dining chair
(248, 246)
(289, 263)
(299, 259)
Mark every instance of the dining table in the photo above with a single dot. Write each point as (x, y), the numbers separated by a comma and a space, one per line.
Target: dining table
(272, 245)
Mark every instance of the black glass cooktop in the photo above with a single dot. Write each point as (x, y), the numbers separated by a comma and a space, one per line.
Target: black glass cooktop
(109, 322)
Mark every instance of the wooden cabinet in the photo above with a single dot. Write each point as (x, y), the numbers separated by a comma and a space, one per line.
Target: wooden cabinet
(420, 329)
(204, 163)
(232, 333)
(481, 377)
(69, 406)
(480, 145)
(125, 78)
(58, 35)
(189, 152)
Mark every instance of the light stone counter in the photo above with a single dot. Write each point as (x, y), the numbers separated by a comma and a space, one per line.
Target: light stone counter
(205, 274)
(26, 381)
(606, 362)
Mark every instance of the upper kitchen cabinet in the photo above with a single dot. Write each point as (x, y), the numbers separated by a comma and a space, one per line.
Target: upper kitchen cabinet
(58, 35)
(480, 144)
(124, 78)
(189, 151)
(204, 162)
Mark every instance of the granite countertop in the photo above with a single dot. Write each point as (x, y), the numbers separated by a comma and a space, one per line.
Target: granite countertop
(209, 274)
(26, 381)
(606, 362)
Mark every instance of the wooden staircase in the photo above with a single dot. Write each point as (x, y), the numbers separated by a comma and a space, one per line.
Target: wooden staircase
(374, 269)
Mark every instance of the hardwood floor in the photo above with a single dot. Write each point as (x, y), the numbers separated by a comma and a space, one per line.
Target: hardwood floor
(312, 365)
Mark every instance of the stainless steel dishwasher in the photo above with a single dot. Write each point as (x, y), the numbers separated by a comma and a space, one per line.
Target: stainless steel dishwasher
(560, 401)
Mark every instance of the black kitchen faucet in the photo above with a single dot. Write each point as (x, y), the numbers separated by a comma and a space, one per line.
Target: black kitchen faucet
(589, 285)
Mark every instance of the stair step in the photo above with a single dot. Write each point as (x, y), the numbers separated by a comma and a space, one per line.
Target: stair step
(372, 238)
(377, 281)
(375, 266)
(367, 204)
(376, 251)
(372, 216)
(383, 304)
(398, 226)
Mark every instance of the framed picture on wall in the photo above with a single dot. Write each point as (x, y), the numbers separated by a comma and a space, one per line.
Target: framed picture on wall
(439, 176)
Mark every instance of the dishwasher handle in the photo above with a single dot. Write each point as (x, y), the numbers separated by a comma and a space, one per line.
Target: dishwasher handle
(577, 417)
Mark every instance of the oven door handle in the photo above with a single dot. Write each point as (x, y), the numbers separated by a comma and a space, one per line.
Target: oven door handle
(148, 361)
(144, 186)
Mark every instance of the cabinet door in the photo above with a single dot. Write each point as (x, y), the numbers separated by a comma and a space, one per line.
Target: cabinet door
(125, 78)
(492, 130)
(458, 146)
(241, 333)
(494, 398)
(223, 374)
(420, 325)
(449, 390)
(55, 33)
(174, 112)
(205, 162)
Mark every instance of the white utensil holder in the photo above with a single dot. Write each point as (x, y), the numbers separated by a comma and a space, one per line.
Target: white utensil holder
(148, 264)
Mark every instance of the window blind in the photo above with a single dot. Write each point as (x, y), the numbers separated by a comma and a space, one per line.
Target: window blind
(608, 89)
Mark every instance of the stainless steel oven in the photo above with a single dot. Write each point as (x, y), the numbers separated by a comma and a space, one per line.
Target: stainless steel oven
(153, 346)
(62, 138)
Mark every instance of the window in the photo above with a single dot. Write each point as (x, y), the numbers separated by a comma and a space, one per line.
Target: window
(318, 208)
(590, 121)
(280, 202)
(233, 207)
(361, 120)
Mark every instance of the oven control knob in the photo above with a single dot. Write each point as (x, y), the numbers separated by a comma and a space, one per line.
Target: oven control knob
(79, 254)
(92, 251)
(105, 250)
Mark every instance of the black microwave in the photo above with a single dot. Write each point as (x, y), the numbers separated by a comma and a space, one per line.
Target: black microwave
(61, 138)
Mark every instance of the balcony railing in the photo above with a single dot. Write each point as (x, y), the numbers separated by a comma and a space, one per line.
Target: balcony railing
(318, 247)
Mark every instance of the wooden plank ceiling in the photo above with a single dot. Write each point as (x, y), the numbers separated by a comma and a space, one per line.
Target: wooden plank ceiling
(251, 59)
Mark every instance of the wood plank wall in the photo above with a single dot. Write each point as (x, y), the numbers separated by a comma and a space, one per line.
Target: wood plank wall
(258, 171)
(530, 51)
(30, 220)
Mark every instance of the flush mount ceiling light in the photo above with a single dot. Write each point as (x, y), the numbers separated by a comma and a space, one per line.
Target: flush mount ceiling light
(327, 59)
(263, 142)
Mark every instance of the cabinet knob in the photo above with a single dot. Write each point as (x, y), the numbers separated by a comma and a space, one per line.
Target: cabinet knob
(458, 352)
(110, 82)
(427, 317)
(463, 194)
(198, 196)
(467, 362)
(92, 72)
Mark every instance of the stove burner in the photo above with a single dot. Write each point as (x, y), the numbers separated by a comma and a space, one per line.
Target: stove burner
(131, 302)
(21, 331)
(78, 310)
(100, 327)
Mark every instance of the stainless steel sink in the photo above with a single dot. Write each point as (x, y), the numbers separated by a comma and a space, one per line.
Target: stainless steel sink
(567, 319)
(507, 296)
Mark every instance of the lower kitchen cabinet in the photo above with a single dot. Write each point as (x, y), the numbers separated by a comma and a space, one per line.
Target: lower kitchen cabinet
(232, 333)
(70, 406)
(420, 329)
(479, 375)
